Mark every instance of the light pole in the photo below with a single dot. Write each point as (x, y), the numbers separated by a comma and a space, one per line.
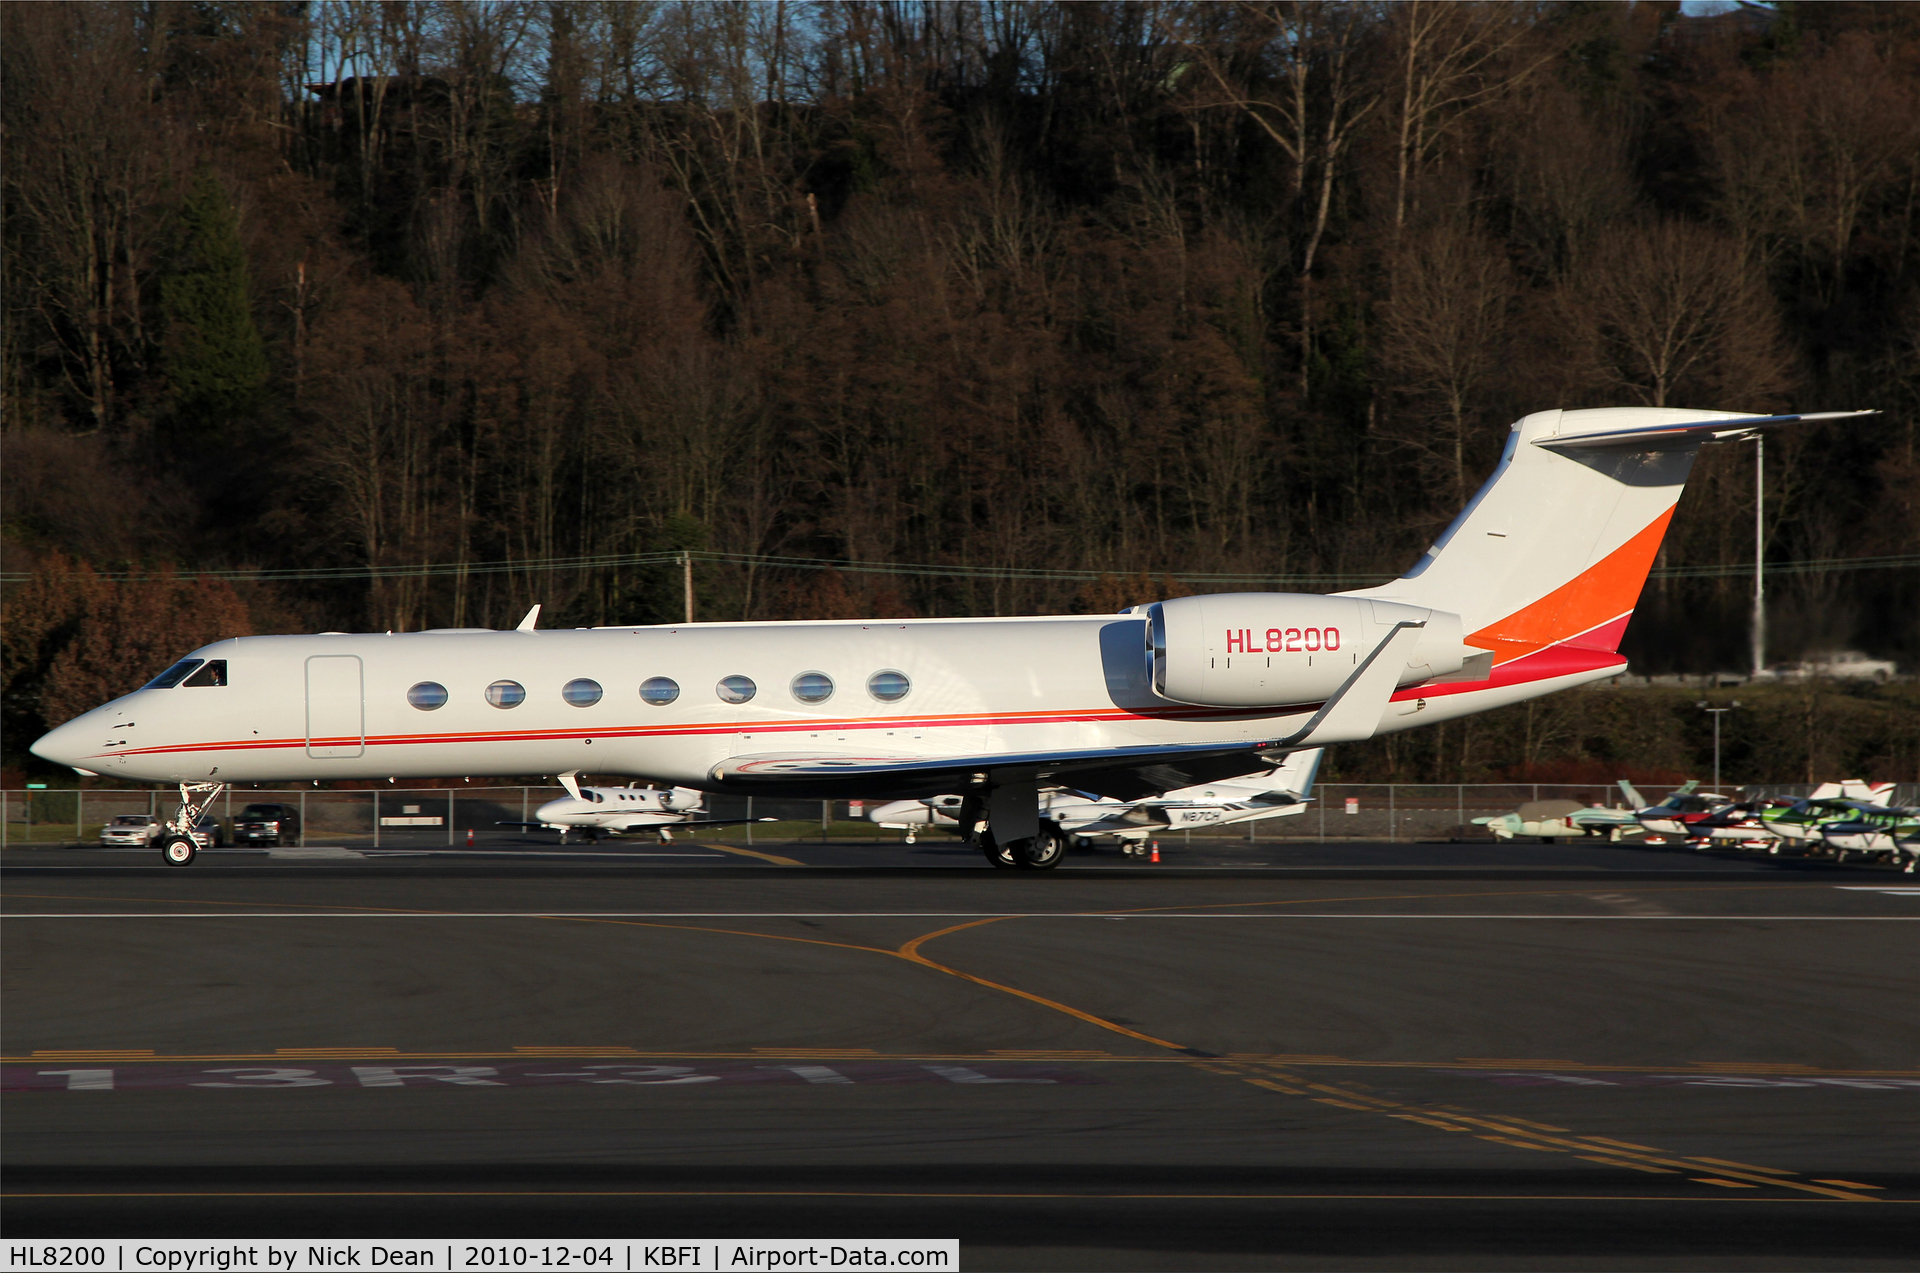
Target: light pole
(1716, 713)
(1759, 556)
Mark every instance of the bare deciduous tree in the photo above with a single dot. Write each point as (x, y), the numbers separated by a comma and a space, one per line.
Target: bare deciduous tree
(1670, 313)
(1443, 332)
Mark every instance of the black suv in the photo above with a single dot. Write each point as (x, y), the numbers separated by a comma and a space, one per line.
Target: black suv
(267, 824)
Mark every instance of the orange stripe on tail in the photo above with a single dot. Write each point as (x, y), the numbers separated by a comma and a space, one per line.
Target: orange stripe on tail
(1593, 607)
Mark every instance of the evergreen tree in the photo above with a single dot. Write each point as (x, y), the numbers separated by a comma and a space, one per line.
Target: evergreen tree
(216, 363)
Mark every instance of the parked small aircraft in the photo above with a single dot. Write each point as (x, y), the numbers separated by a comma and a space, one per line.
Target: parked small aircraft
(1895, 832)
(597, 811)
(1278, 793)
(1552, 820)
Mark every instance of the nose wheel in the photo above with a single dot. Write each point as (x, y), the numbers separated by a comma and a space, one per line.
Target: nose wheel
(178, 850)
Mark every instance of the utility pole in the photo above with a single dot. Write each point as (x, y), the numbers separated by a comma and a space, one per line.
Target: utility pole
(686, 578)
(1716, 713)
(1759, 556)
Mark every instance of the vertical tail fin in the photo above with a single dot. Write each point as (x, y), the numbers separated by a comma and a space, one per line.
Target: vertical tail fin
(1296, 773)
(1557, 545)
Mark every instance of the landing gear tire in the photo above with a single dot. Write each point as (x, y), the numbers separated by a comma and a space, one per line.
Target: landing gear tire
(177, 850)
(1000, 856)
(1043, 852)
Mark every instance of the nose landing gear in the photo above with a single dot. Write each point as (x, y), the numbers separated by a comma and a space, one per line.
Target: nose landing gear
(177, 847)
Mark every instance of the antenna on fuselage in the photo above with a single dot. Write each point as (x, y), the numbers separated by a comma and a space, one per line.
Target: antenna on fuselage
(527, 624)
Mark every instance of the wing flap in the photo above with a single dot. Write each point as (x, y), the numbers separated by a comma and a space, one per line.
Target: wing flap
(1125, 773)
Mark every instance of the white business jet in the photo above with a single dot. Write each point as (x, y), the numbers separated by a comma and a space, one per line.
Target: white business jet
(597, 811)
(1526, 593)
(1278, 793)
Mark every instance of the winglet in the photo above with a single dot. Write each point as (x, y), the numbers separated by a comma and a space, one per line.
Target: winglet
(527, 624)
(1353, 713)
(571, 779)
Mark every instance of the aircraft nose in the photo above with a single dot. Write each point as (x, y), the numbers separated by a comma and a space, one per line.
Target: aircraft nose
(68, 744)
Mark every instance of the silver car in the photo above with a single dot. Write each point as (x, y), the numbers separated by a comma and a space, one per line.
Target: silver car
(136, 829)
(139, 830)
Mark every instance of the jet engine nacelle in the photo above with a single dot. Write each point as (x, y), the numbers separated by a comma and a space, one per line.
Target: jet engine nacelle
(1273, 649)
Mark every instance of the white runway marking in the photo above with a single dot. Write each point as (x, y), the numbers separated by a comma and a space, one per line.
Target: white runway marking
(684, 915)
(1899, 891)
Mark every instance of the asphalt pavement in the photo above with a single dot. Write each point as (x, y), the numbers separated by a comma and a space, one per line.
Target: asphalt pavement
(1248, 1056)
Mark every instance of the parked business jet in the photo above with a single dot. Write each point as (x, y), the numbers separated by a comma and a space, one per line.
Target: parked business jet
(1279, 793)
(1527, 592)
(597, 811)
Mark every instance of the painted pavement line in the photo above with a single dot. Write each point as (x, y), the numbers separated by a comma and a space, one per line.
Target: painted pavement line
(1702, 1070)
(669, 915)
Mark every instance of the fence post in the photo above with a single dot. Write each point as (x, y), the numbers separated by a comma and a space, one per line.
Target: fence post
(749, 821)
(303, 817)
(6, 815)
(523, 809)
(1460, 804)
(79, 810)
(1393, 819)
(449, 817)
(375, 793)
(826, 814)
(1323, 815)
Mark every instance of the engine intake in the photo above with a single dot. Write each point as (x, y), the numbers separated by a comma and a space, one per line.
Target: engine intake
(1275, 649)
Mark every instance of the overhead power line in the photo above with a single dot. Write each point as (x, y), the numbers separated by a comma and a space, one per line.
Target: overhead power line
(610, 561)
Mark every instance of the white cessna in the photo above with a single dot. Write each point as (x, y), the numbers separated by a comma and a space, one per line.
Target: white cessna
(1278, 793)
(1527, 592)
(597, 811)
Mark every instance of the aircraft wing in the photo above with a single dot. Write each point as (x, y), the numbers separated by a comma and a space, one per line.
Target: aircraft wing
(705, 822)
(1125, 773)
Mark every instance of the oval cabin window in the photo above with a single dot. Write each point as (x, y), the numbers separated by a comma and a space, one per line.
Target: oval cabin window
(506, 693)
(659, 690)
(581, 693)
(735, 689)
(889, 686)
(428, 695)
(813, 687)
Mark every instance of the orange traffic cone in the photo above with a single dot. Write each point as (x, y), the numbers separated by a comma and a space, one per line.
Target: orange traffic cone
(469, 837)
(1156, 851)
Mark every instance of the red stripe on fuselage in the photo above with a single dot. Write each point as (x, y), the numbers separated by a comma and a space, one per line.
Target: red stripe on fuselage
(752, 727)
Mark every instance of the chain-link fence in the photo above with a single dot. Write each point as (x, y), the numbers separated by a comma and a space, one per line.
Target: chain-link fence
(392, 817)
(428, 818)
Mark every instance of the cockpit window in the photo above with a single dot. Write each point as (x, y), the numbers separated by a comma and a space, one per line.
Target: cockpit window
(173, 675)
(214, 673)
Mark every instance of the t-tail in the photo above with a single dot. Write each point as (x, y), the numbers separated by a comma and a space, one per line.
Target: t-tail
(1546, 563)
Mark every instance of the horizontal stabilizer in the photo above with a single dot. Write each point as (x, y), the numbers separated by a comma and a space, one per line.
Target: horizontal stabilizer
(1665, 437)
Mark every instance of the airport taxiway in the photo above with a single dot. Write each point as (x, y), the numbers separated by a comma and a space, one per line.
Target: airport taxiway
(1411, 1059)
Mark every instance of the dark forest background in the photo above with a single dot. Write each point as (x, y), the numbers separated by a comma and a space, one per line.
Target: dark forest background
(1149, 291)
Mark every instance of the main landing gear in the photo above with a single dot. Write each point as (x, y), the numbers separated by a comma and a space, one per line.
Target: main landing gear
(176, 839)
(1041, 853)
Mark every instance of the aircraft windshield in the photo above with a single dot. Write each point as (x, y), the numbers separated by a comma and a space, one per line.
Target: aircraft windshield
(173, 675)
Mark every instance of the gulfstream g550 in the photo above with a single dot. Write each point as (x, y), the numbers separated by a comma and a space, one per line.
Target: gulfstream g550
(1527, 592)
